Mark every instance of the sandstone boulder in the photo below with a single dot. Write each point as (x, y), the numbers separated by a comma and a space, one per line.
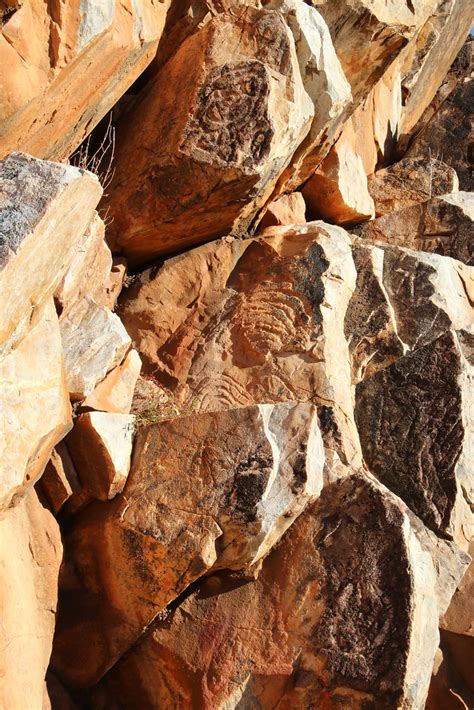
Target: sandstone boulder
(410, 182)
(89, 272)
(424, 458)
(34, 405)
(59, 480)
(46, 106)
(115, 392)
(45, 209)
(100, 446)
(403, 300)
(239, 322)
(342, 614)
(205, 491)
(30, 556)
(94, 342)
(287, 209)
(216, 162)
(442, 225)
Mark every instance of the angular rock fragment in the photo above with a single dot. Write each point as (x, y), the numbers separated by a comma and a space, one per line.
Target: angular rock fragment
(34, 405)
(205, 491)
(415, 425)
(337, 192)
(184, 177)
(342, 614)
(100, 446)
(442, 225)
(115, 392)
(410, 182)
(287, 209)
(94, 342)
(89, 272)
(45, 209)
(59, 480)
(261, 320)
(30, 556)
(403, 300)
(46, 106)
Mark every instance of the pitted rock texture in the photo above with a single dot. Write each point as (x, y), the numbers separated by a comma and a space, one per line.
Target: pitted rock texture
(442, 225)
(205, 491)
(41, 204)
(242, 322)
(46, 107)
(215, 163)
(324, 624)
(413, 453)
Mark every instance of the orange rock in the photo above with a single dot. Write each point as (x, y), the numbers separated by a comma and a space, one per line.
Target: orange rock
(46, 107)
(59, 480)
(115, 392)
(30, 556)
(287, 209)
(35, 409)
(215, 163)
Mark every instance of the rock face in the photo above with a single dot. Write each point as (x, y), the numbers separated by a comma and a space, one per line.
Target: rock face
(442, 225)
(30, 555)
(325, 623)
(247, 112)
(32, 382)
(231, 337)
(46, 107)
(424, 460)
(41, 204)
(205, 491)
(409, 182)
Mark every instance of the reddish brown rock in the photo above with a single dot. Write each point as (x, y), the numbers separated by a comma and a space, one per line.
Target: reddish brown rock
(35, 412)
(30, 555)
(410, 182)
(206, 491)
(216, 162)
(442, 225)
(59, 480)
(261, 320)
(447, 691)
(424, 458)
(287, 209)
(46, 106)
(45, 209)
(342, 614)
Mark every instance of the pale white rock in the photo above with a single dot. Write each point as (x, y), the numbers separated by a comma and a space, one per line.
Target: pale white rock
(45, 209)
(100, 446)
(115, 392)
(34, 405)
(96, 17)
(94, 342)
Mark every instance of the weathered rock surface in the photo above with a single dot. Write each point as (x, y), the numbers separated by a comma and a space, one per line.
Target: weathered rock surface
(287, 209)
(447, 690)
(94, 342)
(449, 134)
(424, 459)
(205, 491)
(115, 392)
(89, 272)
(216, 162)
(403, 300)
(442, 224)
(338, 192)
(59, 480)
(100, 446)
(260, 320)
(30, 555)
(42, 205)
(342, 614)
(46, 106)
(410, 182)
(34, 405)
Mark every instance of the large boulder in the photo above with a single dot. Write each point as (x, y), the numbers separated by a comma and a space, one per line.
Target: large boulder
(187, 176)
(46, 105)
(342, 614)
(206, 491)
